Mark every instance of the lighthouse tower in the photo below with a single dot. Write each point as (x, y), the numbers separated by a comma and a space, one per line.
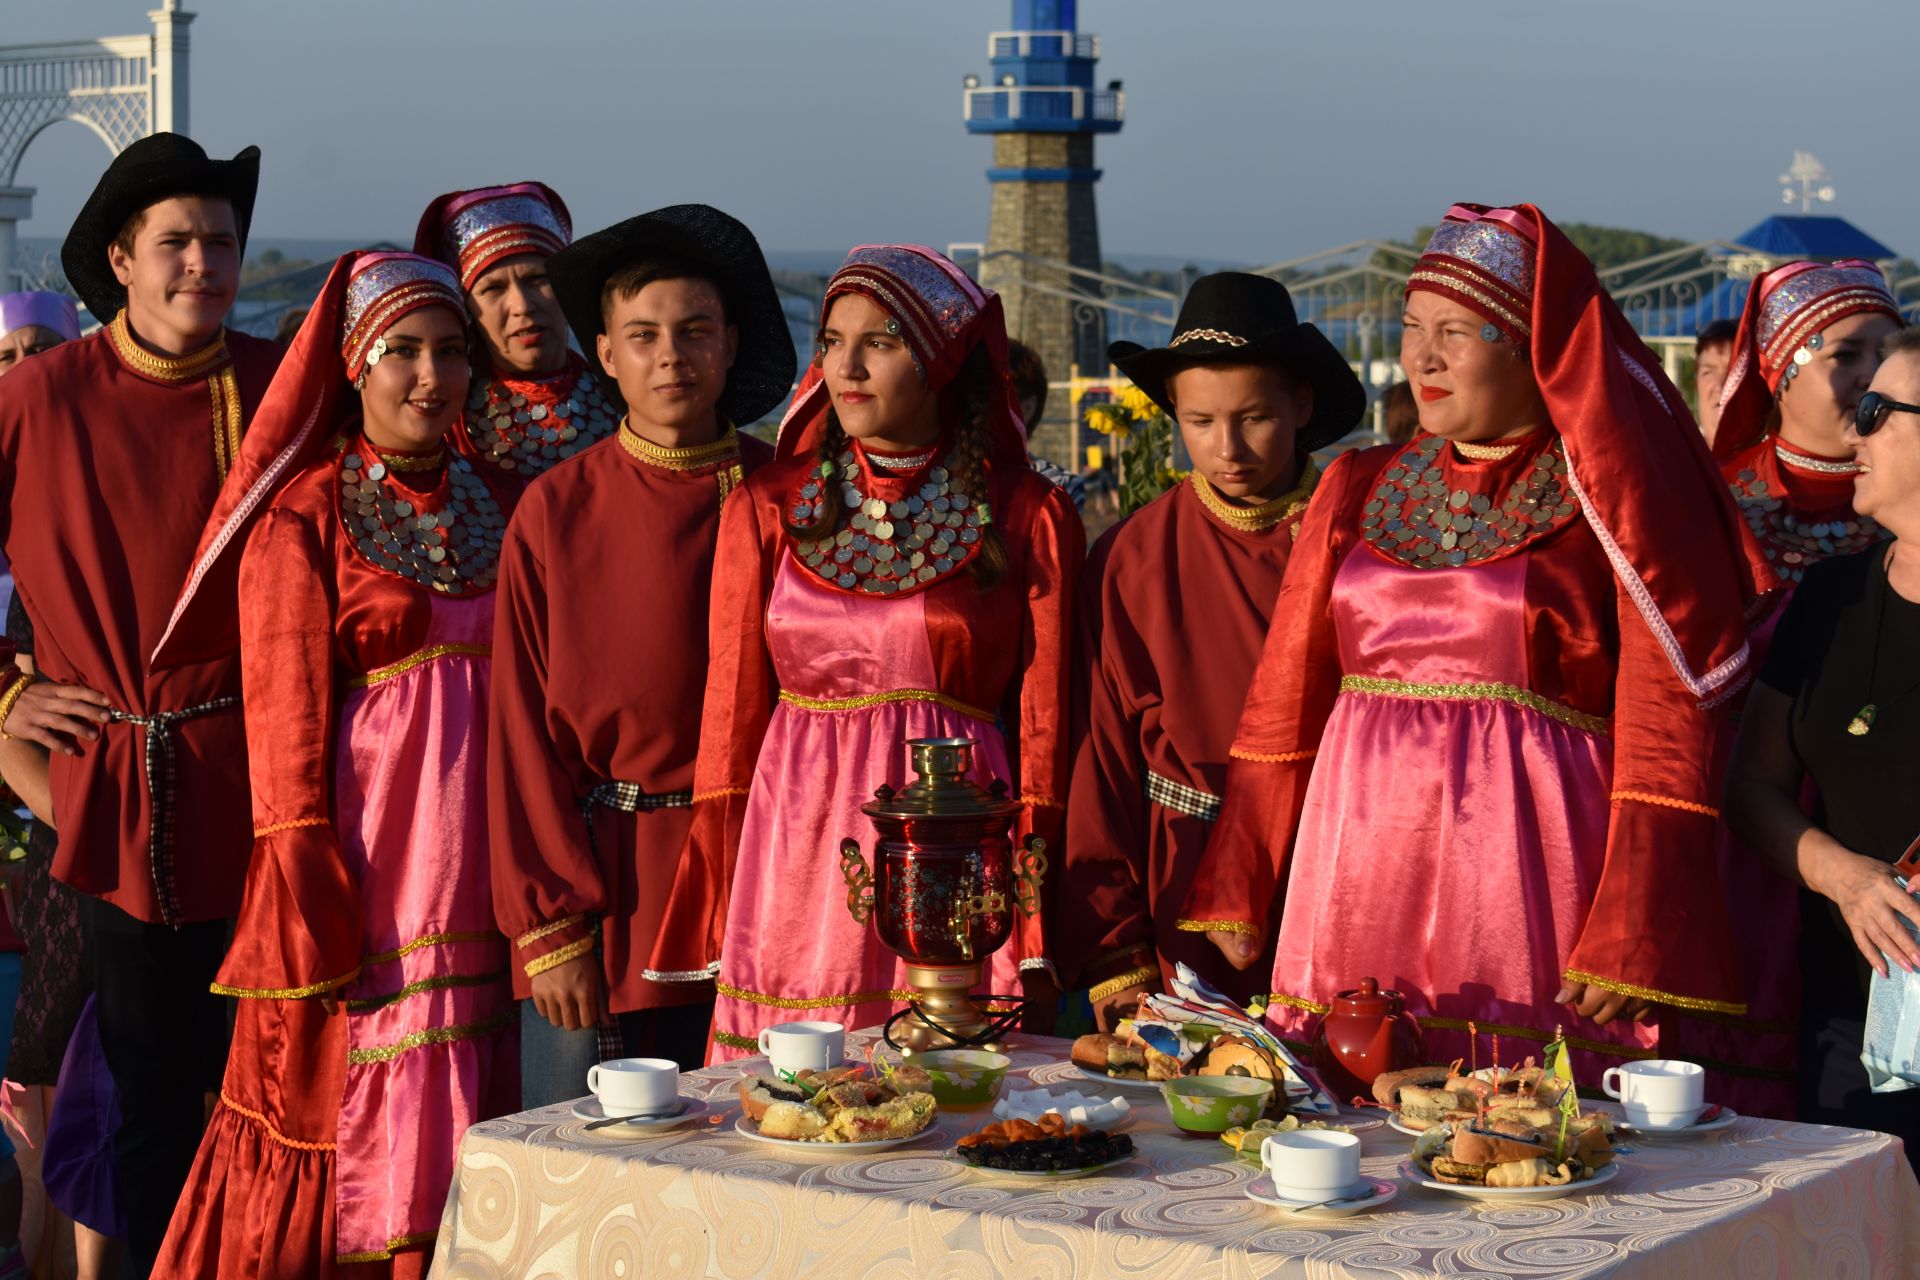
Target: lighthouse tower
(1043, 110)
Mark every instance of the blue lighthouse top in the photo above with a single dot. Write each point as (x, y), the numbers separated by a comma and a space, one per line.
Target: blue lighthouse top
(1043, 77)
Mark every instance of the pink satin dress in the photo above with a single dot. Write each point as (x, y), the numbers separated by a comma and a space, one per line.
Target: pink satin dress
(1469, 835)
(789, 934)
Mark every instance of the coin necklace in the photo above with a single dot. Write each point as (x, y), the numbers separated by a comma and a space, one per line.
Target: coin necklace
(523, 436)
(888, 547)
(1415, 519)
(1790, 542)
(454, 550)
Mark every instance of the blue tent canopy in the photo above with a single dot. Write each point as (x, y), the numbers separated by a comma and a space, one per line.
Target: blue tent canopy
(1809, 236)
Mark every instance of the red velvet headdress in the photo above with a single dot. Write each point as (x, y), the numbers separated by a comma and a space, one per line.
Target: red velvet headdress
(1635, 460)
(943, 315)
(364, 296)
(472, 230)
(1787, 310)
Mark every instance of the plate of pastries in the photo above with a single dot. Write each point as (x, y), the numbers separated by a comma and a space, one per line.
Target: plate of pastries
(843, 1108)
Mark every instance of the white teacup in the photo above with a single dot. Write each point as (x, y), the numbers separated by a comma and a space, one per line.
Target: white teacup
(1659, 1093)
(803, 1046)
(1312, 1164)
(634, 1086)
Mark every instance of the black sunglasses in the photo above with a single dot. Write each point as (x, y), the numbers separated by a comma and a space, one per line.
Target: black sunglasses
(1873, 409)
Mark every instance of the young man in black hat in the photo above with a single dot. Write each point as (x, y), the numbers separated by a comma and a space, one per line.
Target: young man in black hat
(112, 449)
(600, 638)
(1254, 393)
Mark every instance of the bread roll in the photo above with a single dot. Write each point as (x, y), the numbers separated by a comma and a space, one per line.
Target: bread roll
(1478, 1146)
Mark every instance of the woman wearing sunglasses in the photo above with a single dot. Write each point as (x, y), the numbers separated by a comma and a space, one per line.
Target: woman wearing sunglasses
(1807, 347)
(1838, 702)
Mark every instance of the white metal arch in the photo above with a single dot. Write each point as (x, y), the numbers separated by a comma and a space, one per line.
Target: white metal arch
(120, 87)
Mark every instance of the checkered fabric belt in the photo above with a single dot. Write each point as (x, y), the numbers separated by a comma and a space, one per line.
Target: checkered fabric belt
(627, 797)
(1181, 798)
(160, 768)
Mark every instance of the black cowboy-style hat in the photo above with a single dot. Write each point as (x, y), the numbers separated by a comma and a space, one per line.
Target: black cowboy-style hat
(1235, 317)
(153, 169)
(762, 372)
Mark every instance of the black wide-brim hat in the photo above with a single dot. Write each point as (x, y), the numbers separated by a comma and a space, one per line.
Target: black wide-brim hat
(1236, 317)
(700, 234)
(155, 168)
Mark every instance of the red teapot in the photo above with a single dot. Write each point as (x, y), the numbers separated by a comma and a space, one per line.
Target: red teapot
(1366, 1034)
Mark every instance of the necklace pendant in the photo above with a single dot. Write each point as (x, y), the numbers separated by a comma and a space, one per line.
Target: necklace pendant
(1862, 722)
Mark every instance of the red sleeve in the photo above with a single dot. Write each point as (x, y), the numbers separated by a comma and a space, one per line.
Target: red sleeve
(739, 704)
(1103, 872)
(547, 887)
(1056, 546)
(1240, 876)
(1658, 925)
(298, 933)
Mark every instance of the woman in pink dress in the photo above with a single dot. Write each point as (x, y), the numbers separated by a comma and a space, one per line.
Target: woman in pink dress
(897, 572)
(1480, 752)
(375, 1019)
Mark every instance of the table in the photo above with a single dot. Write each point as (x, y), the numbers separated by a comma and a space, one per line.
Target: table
(535, 1196)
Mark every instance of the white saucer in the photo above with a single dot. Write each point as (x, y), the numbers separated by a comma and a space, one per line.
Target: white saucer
(750, 1128)
(590, 1109)
(1394, 1123)
(1726, 1117)
(1137, 1086)
(1414, 1174)
(1366, 1194)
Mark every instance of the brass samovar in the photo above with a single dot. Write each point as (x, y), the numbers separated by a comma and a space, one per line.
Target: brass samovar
(943, 891)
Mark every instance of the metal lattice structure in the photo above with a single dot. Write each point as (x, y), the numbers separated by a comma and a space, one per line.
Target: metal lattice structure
(120, 87)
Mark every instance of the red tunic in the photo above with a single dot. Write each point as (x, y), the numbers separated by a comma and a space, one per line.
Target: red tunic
(600, 664)
(1174, 609)
(1653, 926)
(110, 459)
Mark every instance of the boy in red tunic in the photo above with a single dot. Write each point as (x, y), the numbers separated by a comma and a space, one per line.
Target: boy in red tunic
(112, 449)
(600, 647)
(1173, 613)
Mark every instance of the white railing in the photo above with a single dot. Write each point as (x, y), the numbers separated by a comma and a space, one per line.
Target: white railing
(1044, 102)
(1042, 44)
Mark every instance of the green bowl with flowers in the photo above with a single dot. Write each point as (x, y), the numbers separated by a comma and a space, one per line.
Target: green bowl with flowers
(964, 1079)
(1215, 1104)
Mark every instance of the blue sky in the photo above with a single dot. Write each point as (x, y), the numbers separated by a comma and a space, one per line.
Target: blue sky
(1257, 130)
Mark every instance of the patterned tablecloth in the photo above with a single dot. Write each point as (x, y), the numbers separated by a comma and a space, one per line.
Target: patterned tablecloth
(536, 1197)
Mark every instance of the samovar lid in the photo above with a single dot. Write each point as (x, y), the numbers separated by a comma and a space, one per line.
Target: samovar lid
(945, 787)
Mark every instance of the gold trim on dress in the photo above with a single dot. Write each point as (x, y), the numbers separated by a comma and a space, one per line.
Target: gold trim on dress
(1439, 1023)
(1267, 514)
(733, 1041)
(1296, 1002)
(431, 1036)
(1667, 802)
(386, 1254)
(1658, 997)
(558, 956)
(274, 828)
(1476, 692)
(860, 702)
(1120, 982)
(428, 940)
(719, 793)
(411, 661)
(1216, 926)
(248, 1113)
(282, 993)
(1272, 757)
(367, 1004)
(808, 1002)
(547, 930)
